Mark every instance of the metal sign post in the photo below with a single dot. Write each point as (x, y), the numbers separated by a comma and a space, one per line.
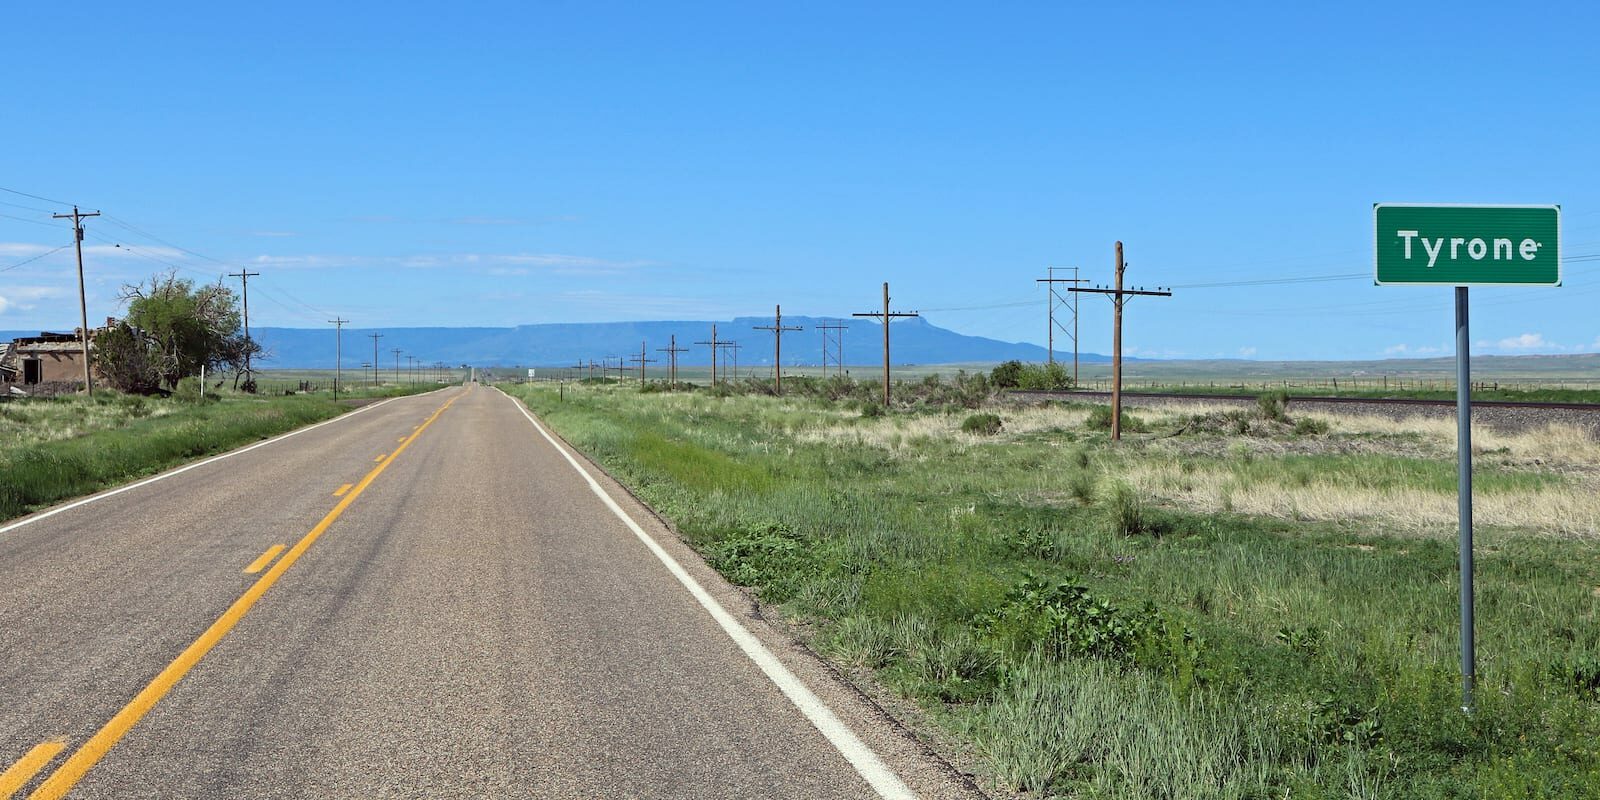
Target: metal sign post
(1469, 660)
(1462, 246)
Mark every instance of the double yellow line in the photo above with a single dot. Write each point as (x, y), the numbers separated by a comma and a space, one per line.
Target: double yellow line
(85, 757)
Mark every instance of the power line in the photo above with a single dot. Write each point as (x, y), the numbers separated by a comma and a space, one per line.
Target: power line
(270, 290)
(1008, 304)
(1346, 276)
(129, 226)
(30, 208)
(25, 262)
(34, 221)
(36, 197)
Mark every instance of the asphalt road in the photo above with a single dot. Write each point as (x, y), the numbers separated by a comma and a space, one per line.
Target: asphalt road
(470, 617)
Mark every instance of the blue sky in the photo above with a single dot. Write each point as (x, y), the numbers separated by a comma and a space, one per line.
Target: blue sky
(507, 163)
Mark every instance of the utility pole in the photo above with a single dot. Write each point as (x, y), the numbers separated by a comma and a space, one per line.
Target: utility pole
(886, 315)
(411, 369)
(730, 345)
(375, 338)
(244, 276)
(714, 353)
(1055, 299)
(642, 361)
(338, 355)
(397, 351)
(77, 218)
(777, 327)
(672, 350)
(837, 341)
(1119, 297)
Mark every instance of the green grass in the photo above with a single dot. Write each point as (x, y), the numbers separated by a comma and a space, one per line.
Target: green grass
(54, 449)
(1090, 642)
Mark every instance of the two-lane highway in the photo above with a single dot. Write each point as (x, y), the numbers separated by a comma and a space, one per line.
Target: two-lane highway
(445, 603)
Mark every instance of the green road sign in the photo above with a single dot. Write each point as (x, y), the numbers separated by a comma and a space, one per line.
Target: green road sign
(1464, 245)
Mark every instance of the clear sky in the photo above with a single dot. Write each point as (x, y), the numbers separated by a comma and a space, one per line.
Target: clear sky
(507, 163)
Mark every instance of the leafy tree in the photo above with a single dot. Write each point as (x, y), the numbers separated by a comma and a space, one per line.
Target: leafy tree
(124, 361)
(172, 328)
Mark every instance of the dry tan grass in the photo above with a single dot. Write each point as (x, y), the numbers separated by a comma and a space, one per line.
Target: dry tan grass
(896, 433)
(1569, 509)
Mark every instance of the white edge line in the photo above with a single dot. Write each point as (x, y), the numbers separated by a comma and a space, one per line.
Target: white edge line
(871, 768)
(186, 467)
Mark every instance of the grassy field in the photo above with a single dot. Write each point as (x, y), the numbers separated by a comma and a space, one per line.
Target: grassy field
(1226, 605)
(53, 449)
(357, 380)
(1566, 378)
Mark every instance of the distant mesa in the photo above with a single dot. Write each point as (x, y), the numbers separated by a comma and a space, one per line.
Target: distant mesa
(915, 341)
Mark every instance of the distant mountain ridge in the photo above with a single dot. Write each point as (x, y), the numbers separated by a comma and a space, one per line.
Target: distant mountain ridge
(912, 341)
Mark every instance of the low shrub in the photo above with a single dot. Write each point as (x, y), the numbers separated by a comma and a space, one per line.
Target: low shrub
(1044, 377)
(770, 557)
(1307, 426)
(1080, 487)
(982, 424)
(1007, 375)
(1274, 405)
(1100, 420)
(1126, 510)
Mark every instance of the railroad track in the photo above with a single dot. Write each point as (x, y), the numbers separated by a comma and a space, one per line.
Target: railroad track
(1399, 401)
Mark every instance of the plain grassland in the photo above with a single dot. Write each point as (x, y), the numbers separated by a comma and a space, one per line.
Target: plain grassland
(1098, 623)
(54, 449)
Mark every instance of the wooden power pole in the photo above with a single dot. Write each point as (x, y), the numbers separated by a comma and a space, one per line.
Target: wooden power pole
(244, 276)
(642, 361)
(1119, 296)
(338, 355)
(886, 315)
(714, 346)
(777, 327)
(77, 218)
(672, 350)
(375, 338)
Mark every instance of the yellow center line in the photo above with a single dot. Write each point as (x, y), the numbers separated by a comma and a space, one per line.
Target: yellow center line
(85, 757)
(384, 456)
(264, 559)
(12, 779)
(342, 489)
(402, 438)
